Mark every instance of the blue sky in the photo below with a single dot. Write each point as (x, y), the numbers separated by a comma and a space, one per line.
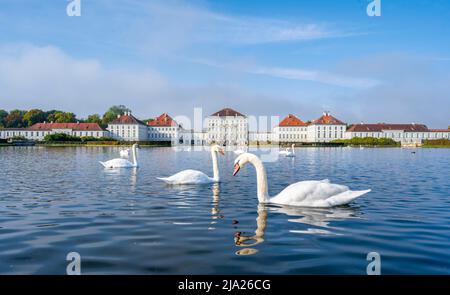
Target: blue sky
(260, 57)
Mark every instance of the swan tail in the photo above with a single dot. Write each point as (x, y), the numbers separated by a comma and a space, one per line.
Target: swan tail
(346, 197)
(103, 164)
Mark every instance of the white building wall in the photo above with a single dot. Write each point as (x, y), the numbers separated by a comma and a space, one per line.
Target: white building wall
(39, 135)
(229, 130)
(401, 136)
(291, 133)
(325, 133)
(263, 137)
(164, 133)
(128, 132)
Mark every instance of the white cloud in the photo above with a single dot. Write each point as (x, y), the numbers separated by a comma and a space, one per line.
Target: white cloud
(161, 26)
(295, 74)
(46, 77)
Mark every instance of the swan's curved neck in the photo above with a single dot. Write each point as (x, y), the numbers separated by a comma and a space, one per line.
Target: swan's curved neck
(134, 156)
(215, 165)
(261, 180)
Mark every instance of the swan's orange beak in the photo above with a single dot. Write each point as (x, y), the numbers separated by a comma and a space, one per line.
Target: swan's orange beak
(236, 169)
(222, 152)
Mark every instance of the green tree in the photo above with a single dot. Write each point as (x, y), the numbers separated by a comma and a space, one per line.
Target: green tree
(33, 116)
(14, 119)
(95, 118)
(3, 115)
(112, 113)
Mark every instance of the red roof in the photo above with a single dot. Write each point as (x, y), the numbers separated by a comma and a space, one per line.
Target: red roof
(127, 119)
(327, 119)
(227, 112)
(292, 120)
(383, 126)
(439, 130)
(163, 120)
(73, 126)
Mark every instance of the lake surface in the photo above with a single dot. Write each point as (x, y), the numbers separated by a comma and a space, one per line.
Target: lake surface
(59, 200)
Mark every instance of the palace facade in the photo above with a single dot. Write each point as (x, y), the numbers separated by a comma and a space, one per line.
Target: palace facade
(231, 128)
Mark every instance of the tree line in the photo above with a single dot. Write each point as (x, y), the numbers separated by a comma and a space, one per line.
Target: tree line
(26, 118)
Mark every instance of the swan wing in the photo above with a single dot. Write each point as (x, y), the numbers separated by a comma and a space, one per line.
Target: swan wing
(117, 163)
(187, 177)
(314, 193)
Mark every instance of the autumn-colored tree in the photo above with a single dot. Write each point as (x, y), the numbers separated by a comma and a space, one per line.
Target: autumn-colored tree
(34, 116)
(14, 119)
(62, 117)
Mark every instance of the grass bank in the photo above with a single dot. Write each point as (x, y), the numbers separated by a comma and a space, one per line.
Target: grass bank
(436, 143)
(369, 142)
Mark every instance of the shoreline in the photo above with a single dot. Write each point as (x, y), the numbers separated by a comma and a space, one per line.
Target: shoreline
(250, 146)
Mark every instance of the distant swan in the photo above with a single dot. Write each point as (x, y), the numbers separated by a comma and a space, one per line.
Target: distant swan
(287, 152)
(125, 153)
(194, 176)
(123, 163)
(240, 151)
(311, 193)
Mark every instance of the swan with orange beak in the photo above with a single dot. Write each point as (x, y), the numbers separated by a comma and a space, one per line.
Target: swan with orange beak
(310, 193)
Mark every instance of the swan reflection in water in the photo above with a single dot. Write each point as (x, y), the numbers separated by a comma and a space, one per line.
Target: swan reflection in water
(116, 174)
(215, 210)
(318, 219)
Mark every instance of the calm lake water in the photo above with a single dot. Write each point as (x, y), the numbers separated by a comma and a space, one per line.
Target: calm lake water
(57, 200)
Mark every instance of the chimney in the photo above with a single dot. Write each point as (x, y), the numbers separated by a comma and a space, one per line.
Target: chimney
(118, 116)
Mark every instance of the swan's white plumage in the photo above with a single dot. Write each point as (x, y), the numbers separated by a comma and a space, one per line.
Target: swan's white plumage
(310, 193)
(289, 153)
(313, 193)
(123, 163)
(188, 177)
(117, 163)
(239, 152)
(125, 153)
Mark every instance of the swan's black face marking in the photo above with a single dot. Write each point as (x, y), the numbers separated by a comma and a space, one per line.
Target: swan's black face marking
(236, 169)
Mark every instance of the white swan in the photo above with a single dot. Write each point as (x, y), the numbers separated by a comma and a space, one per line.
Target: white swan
(240, 151)
(194, 176)
(311, 193)
(125, 153)
(287, 152)
(291, 154)
(123, 163)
